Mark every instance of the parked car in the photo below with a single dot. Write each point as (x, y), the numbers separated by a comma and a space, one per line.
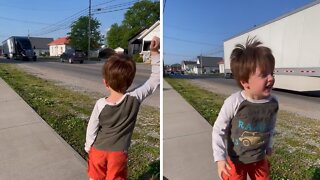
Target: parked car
(72, 55)
(105, 53)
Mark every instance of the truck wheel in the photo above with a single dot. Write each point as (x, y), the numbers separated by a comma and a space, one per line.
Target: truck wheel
(246, 142)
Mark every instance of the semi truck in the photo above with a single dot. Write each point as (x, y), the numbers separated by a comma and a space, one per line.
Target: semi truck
(294, 39)
(18, 47)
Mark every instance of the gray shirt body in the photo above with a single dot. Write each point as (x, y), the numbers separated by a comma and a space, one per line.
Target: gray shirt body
(116, 124)
(244, 128)
(249, 131)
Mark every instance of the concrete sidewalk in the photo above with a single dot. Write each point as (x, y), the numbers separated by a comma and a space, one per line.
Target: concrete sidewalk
(30, 148)
(187, 152)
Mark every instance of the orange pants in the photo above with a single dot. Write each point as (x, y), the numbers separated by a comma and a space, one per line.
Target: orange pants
(256, 171)
(107, 165)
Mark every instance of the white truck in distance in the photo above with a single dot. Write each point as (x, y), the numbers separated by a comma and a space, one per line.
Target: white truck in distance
(295, 43)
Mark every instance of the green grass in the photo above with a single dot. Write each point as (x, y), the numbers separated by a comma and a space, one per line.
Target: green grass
(66, 111)
(205, 102)
(296, 143)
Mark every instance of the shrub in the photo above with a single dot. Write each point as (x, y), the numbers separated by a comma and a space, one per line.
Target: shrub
(137, 58)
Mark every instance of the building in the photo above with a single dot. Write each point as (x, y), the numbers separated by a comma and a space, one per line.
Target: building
(135, 44)
(140, 43)
(175, 68)
(188, 66)
(119, 50)
(59, 46)
(221, 67)
(40, 45)
(207, 65)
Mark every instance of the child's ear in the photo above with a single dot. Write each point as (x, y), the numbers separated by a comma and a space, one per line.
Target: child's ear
(105, 82)
(244, 84)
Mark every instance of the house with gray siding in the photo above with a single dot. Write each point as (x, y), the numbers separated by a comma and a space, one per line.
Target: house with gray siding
(207, 65)
(40, 45)
(188, 66)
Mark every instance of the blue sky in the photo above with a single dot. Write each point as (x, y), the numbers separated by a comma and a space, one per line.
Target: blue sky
(38, 17)
(199, 27)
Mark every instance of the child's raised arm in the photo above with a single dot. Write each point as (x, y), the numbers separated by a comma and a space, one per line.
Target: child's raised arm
(154, 80)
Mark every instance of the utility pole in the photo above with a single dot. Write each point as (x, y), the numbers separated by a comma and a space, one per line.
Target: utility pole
(201, 63)
(89, 29)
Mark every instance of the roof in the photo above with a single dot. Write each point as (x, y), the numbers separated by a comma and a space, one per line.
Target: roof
(40, 42)
(176, 65)
(209, 61)
(137, 38)
(62, 40)
(278, 18)
(134, 39)
(145, 33)
(189, 62)
(221, 62)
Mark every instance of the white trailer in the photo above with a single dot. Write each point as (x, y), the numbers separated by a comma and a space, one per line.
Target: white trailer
(294, 39)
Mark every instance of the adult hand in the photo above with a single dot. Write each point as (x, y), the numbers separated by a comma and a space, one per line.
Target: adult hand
(155, 44)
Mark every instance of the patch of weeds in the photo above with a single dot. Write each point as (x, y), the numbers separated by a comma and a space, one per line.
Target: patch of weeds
(141, 158)
(208, 104)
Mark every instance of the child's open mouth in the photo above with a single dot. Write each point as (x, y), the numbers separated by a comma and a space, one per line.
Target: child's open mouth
(269, 87)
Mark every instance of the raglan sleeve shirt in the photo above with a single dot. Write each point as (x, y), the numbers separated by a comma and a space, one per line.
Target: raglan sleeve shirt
(140, 93)
(274, 119)
(219, 130)
(152, 83)
(93, 126)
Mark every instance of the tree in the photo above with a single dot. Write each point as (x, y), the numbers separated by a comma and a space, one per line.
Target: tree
(115, 36)
(140, 16)
(79, 34)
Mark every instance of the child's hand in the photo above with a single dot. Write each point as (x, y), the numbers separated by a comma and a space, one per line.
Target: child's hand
(155, 45)
(269, 151)
(222, 168)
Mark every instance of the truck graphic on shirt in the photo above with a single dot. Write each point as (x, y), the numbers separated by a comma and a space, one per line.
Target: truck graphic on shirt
(252, 138)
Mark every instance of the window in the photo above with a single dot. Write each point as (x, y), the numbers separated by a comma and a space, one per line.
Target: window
(146, 45)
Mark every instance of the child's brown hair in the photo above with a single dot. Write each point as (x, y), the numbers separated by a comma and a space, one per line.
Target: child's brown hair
(245, 60)
(119, 71)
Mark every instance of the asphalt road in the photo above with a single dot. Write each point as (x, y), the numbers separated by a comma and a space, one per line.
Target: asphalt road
(304, 105)
(82, 77)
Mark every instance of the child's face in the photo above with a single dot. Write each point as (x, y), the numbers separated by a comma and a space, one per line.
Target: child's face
(260, 84)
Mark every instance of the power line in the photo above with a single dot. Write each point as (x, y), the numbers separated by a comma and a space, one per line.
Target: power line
(127, 5)
(189, 41)
(64, 22)
(104, 3)
(111, 11)
(166, 26)
(178, 55)
(33, 9)
(24, 21)
(115, 6)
